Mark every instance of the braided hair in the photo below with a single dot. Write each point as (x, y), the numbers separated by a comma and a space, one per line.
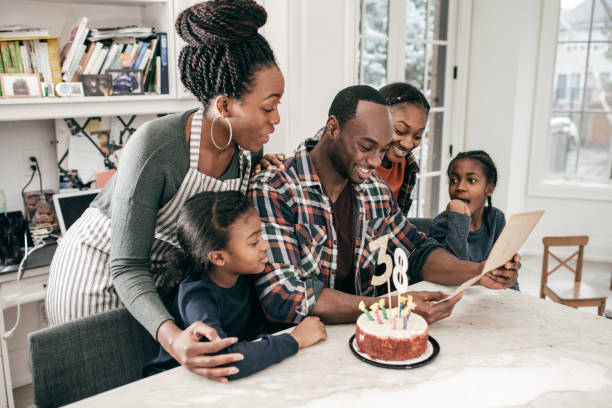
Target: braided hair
(203, 226)
(224, 49)
(489, 169)
(401, 92)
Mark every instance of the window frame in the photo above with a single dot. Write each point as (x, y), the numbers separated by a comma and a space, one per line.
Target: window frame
(538, 184)
(455, 92)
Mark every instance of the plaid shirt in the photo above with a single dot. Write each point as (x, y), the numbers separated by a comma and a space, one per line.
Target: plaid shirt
(296, 218)
(410, 174)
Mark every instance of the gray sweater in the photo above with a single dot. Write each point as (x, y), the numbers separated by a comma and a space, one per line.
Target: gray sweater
(151, 170)
(452, 230)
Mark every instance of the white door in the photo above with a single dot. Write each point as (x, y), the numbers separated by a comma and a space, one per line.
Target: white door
(414, 41)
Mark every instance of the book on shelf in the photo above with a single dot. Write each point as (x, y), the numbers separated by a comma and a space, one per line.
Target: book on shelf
(77, 37)
(14, 61)
(99, 61)
(150, 75)
(140, 54)
(43, 60)
(25, 60)
(54, 60)
(6, 58)
(157, 83)
(144, 60)
(163, 52)
(92, 59)
(112, 52)
(77, 65)
(82, 62)
(116, 63)
(29, 44)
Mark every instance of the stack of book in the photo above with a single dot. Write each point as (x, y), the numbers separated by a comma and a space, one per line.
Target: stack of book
(99, 34)
(19, 31)
(118, 48)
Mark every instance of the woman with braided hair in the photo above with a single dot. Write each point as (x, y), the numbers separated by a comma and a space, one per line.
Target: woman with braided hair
(115, 253)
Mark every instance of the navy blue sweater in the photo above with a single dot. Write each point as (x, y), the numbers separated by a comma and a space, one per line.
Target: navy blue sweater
(233, 312)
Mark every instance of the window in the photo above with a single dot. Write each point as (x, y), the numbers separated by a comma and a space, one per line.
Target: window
(561, 86)
(580, 126)
(407, 40)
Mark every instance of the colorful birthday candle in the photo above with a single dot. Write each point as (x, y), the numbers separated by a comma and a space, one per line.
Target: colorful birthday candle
(381, 303)
(374, 308)
(362, 307)
(410, 305)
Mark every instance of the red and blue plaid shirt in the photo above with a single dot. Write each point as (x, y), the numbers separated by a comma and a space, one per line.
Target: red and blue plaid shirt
(296, 217)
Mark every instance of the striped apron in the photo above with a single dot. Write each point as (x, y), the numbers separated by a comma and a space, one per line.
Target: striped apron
(80, 282)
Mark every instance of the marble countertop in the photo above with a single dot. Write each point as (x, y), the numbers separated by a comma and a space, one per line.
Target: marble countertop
(498, 349)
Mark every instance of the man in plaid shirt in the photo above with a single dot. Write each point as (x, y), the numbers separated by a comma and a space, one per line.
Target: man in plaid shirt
(322, 210)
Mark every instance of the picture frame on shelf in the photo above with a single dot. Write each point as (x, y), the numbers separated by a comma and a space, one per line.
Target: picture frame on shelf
(20, 85)
(126, 81)
(69, 89)
(97, 85)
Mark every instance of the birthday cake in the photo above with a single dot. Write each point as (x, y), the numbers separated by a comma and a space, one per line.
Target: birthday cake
(389, 335)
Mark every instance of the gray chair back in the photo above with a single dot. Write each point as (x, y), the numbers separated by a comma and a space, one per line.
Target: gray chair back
(421, 224)
(88, 356)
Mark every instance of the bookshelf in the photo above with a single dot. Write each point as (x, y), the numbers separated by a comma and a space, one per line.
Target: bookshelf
(61, 16)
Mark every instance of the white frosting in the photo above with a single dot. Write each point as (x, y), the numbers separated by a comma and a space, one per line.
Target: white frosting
(415, 325)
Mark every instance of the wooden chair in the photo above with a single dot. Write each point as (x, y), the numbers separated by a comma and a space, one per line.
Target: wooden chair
(575, 294)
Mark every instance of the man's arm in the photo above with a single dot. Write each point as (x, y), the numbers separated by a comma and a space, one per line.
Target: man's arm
(444, 268)
(287, 293)
(334, 306)
(431, 262)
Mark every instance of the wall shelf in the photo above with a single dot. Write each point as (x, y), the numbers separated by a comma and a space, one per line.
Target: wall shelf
(53, 108)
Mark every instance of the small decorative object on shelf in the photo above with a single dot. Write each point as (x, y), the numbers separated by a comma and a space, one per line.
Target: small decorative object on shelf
(47, 89)
(69, 89)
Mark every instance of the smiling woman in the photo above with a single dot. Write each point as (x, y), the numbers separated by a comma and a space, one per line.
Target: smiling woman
(115, 254)
(409, 109)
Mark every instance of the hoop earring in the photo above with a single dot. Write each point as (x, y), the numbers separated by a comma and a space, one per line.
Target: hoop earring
(211, 133)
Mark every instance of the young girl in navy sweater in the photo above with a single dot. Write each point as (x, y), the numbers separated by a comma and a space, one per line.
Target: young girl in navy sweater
(469, 228)
(221, 244)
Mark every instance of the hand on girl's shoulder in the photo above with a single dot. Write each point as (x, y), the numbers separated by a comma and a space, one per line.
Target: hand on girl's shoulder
(311, 330)
(458, 206)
